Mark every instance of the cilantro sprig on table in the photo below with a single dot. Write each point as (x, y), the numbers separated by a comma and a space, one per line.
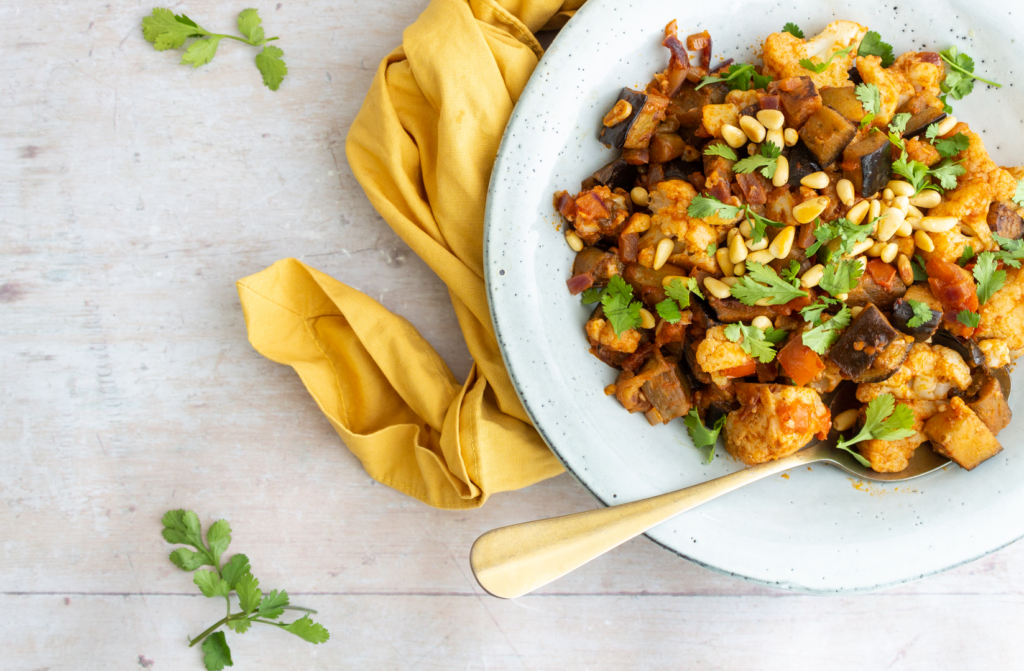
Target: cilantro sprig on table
(166, 30)
(678, 299)
(702, 207)
(739, 77)
(183, 527)
(702, 436)
(767, 161)
(818, 68)
(872, 45)
(883, 420)
(960, 79)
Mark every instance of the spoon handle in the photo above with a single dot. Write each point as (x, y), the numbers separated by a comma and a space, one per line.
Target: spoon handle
(515, 560)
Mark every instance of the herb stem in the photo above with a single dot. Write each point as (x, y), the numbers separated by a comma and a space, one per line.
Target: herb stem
(209, 631)
(969, 74)
(305, 610)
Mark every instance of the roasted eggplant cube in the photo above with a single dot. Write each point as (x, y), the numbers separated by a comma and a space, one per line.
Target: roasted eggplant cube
(670, 394)
(990, 405)
(965, 347)
(866, 338)
(958, 434)
(827, 133)
(843, 99)
(868, 163)
(888, 362)
(647, 110)
(616, 175)
(1003, 220)
(919, 122)
(801, 163)
(902, 313)
(870, 292)
(798, 99)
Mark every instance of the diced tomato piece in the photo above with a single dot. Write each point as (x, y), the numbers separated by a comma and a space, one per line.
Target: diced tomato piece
(883, 273)
(741, 371)
(954, 287)
(800, 362)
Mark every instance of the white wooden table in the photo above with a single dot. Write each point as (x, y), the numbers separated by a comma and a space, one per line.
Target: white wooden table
(133, 193)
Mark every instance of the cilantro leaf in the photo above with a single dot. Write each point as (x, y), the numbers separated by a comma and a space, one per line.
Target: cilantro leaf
(622, 312)
(249, 593)
(187, 560)
(818, 68)
(960, 79)
(1018, 194)
(211, 584)
(898, 125)
(308, 630)
(793, 30)
(952, 146)
(668, 310)
(812, 313)
(883, 422)
(680, 292)
(218, 654)
(990, 280)
(968, 318)
(249, 25)
(592, 295)
(760, 81)
(235, 569)
(947, 172)
(700, 435)
(723, 150)
(219, 537)
(790, 272)
(272, 605)
(966, 256)
(932, 132)
(752, 340)
(239, 626)
(766, 161)
(201, 51)
(271, 66)
(848, 233)
(738, 76)
(711, 249)
(182, 526)
(872, 45)
(691, 284)
(922, 313)
(1012, 251)
(761, 282)
(870, 97)
(917, 265)
(166, 30)
(702, 207)
(820, 338)
(856, 455)
(841, 277)
(759, 225)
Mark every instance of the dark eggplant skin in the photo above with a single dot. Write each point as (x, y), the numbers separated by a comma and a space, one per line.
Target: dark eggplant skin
(843, 99)
(801, 163)
(868, 163)
(919, 123)
(827, 133)
(616, 175)
(615, 136)
(887, 363)
(965, 347)
(861, 344)
(902, 312)
(1003, 220)
(680, 169)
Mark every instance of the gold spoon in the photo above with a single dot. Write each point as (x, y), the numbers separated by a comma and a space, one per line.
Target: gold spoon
(515, 560)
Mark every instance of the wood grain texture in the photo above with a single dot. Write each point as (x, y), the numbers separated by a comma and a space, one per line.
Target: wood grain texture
(133, 193)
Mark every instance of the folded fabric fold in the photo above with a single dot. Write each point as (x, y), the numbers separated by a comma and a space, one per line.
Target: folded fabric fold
(422, 147)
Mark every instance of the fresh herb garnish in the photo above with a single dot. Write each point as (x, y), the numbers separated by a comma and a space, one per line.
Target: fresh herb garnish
(1018, 194)
(947, 172)
(702, 207)
(841, 278)
(761, 282)
(793, 30)
(723, 150)
(591, 295)
(884, 420)
(990, 280)
(678, 299)
(812, 313)
(922, 313)
(966, 256)
(738, 77)
(1012, 251)
(952, 146)
(870, 98)
(166, 30)
(960, 80)
(898, 125)
(790, 272)
(701, 435)
(752, 340)
(183, 527)
(818, 68)
(820, 338)
(848, 233)
(669, 311)
(767, 161)
(917, 264)
(968, 318)
(872, 45)
(622, 312)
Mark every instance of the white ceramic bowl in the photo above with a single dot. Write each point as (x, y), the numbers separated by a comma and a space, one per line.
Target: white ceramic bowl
(818, 531)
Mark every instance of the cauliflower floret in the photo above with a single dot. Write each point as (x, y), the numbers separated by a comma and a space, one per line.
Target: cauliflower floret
(601, 332)
(715, 116)
(924, 70)
(922, 152)
(950, 245)
(717, 353)
(891, 456)
(894, 87)
(669, 203)
(783, 53)
(1002, 315)
(929, 373)
(997, 354)
(774, 421)
(922, 293)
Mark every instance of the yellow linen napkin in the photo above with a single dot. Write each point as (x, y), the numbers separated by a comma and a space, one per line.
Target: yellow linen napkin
(422, 147)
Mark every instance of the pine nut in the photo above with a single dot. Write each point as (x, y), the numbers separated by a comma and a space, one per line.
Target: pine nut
(745, 229)
(646, 319)
(903, 203)
(890, 252)
(862, 246)
(664, 250)
(874, 210)
(938, 224)
(762, 322)
(757, 246)
(737, 249)
(946, 125)
(887, 194)
(790, 136)
(783, 242)
(772, 119)
(906, 270)
(856, 310)
(842, 297)
(781, 176)
(924, 241)
(753, 128)
(900, 188)
(618, 114)
(574, 240)
(905, 230)
(729, 281)
(844, 188)
(776, 138)
(639, 196)
(667, 280)
(808, 211)
(914, 212)
(927, 199)
(740, 269)
(763, 257)
(722, 257)
(733, 232)
(733, 136)
(717, 288)
(815, 180)
(845, 420)
(812, 276)
(858, 211)
(915, 223)
(876, 249)
(891, 220)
